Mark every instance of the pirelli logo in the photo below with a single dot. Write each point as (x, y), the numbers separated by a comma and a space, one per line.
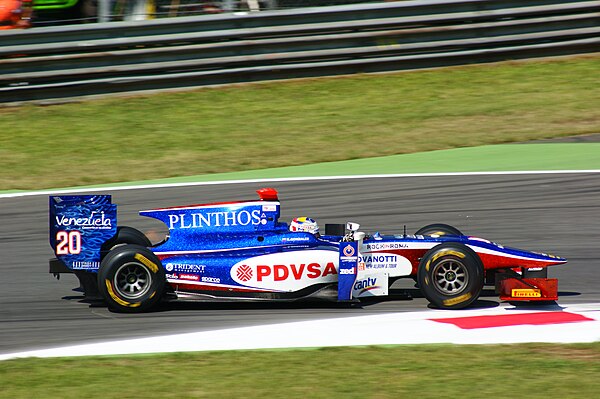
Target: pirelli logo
(526, 293)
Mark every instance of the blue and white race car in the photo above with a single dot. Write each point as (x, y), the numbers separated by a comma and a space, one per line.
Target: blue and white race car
(241, 251)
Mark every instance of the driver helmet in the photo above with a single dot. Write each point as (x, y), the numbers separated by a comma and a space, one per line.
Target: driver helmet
(304, 224)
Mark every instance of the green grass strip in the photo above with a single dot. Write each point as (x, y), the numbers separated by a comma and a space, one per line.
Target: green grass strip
(428, 371)
(526, 157)
(509, 157)
(303, 122)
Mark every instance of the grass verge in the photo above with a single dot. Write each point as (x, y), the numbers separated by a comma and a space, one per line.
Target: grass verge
(296, 123)
(493, 158)
(430, 371)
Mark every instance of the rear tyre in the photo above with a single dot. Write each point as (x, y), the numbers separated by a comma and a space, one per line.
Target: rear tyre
(127, 235)
(439, 229)
(451, 276)
(131, 279)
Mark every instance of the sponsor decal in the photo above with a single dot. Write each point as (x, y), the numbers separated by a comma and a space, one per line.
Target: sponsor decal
(526, 293)
(269, 208)
(263, 219)
(244, 273)
(348, 251)
(94, 221)
(370, 284)
(347, 271)
(294, 271)
(192, 277)
(365, 285)
(396, 264)
(83, 265)
(216, 219)
(293, 239)
(379, 260)
(210, 280)
(386, 245)
(287, 271)
(184, 267)
(172, 276)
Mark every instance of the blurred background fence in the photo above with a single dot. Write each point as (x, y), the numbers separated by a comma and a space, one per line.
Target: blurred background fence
(64, 62)
(60, 12)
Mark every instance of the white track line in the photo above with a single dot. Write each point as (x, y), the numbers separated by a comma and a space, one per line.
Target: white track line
(381, 329)
(286, 179)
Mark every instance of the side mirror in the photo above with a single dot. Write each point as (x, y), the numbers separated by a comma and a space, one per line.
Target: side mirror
(351, 226)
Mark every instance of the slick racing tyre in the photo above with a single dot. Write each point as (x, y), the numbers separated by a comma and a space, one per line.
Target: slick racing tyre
(450, 276)
(131, 278)
(127, 235)
(439, 229)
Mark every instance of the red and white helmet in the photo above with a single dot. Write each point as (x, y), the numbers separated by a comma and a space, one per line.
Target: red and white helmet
(304, 224)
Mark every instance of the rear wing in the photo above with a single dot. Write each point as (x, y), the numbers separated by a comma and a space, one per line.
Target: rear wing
(79, 226)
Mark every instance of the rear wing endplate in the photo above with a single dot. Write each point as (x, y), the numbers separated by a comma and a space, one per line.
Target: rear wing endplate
(79, 226)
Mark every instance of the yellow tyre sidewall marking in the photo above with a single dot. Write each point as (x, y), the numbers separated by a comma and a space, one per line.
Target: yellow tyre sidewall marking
(114, 296)
(457, 300)
(153, 266)
(443, 253)
(447, 252)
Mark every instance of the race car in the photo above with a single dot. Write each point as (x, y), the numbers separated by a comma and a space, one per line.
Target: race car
(241, 251)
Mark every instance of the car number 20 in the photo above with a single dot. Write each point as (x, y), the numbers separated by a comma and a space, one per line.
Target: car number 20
(68, 242)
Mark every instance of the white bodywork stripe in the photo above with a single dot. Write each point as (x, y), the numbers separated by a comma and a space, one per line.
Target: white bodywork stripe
(506, 255)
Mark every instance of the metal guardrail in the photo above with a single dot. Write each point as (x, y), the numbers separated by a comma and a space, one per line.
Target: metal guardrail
(73, 61)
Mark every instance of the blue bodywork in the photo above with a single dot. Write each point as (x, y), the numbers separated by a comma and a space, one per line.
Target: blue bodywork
(79, 226)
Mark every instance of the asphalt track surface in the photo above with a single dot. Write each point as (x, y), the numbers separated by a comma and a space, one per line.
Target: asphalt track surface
(556, 213)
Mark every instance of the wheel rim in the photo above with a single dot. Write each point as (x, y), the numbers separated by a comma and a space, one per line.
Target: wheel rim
(132, 280)
(450, 276)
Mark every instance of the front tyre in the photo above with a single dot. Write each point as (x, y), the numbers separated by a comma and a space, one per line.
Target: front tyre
(451, 276)
(438, 229)
(131, 279)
